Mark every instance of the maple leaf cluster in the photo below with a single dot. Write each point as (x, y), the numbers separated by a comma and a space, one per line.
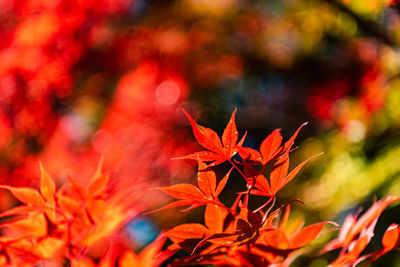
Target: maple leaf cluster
(83, 225)
(241, 236)
(68, 225)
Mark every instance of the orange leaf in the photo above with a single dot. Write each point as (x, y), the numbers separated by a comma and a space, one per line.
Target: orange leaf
(214, 217)
(151, 255)
(77, 189)
(47, 185)
(276, 239)
(18, 210)
(369, 216)
(270, 146)
(206, 179)
(48, 189)
(128, 258)
(259, 180)
(391, 237)
(263, 185)
(26, 195)
(187, 231)
(284, 219)
(279, 172)
(289, 143)
(295, 171)
(183, 191)
(51, 248)
(204, 156)
(205, 136)
(179, 203)
(98, 182)
(306, 235)
(222, 183)
(250, 154)
(69, 205)
(230, 136)
(35, 225)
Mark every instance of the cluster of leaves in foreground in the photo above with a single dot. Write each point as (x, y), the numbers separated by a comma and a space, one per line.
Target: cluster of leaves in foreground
(69, 226)
(78, 225)
(241, 236)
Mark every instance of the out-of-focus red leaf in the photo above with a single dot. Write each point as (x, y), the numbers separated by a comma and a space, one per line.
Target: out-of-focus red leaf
(26, 195)
(35, 225)
(48, 190)
(19, 210)
(390, 240)
(47, 186)
(276, 238)
(69, 205)
(77, 189)
(352, 256)
(369, 216)
(284, 219)
(391, 237)
(151, 255)
(98, 182)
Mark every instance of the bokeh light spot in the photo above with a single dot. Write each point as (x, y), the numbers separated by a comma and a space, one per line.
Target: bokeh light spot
(167, 93)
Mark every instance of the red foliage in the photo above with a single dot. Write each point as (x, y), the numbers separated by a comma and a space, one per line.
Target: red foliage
(240, 236)
(83, 224)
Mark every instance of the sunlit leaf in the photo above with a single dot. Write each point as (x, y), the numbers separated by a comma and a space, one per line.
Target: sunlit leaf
(26, 195)
(206, 179)
(270, 146)
(230, 136)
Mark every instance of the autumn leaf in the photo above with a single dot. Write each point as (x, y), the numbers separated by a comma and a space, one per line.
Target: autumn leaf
(391, 237)
(307, 235)
(222, 183)
(289, 143)
(230, 136)
(390, 240)
(188, 194)
(206, 179)
(353, 226)
(275, 238)
(183, 232)
(98, 182)
(48, 190)
(150, 256)
(219, 151)
(183, 191)
(269, 147)
(27, 196)
(35, 225)
(214, 217)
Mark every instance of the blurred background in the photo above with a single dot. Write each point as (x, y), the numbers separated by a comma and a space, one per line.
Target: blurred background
(85, 79)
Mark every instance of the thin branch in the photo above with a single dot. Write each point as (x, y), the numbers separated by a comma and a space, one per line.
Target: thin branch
(368, 26)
